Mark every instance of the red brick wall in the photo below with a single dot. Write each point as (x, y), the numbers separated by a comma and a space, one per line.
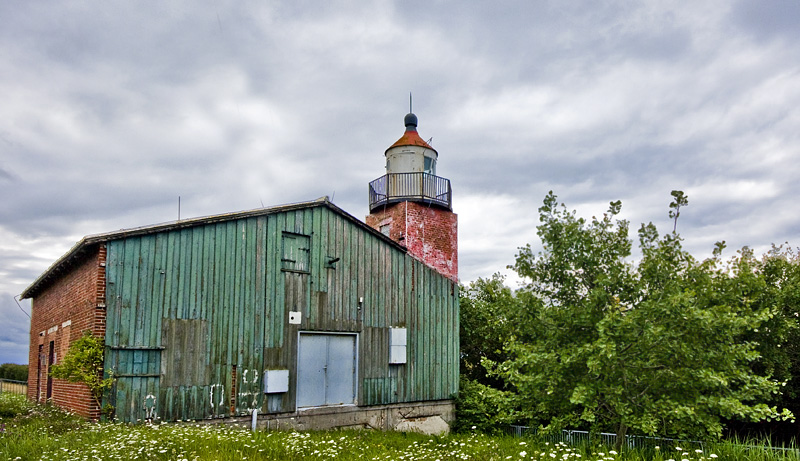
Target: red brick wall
(428, 232)
(72, 303)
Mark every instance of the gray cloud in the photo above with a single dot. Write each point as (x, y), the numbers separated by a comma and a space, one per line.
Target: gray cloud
(112, 111)
(15, 332)
(774, 20)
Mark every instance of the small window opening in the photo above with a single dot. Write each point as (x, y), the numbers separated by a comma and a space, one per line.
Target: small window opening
(430, 165)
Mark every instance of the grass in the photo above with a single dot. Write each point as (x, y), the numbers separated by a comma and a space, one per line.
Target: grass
(35, 432)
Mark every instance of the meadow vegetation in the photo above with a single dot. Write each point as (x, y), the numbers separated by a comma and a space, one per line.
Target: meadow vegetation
(37, 432)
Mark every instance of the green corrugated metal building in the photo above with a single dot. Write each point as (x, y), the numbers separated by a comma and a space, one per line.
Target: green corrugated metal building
(300, 312)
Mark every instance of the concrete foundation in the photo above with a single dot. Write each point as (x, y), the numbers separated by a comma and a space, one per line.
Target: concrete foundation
(423, 417)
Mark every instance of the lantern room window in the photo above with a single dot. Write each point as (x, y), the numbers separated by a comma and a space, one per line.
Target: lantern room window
(430, 165)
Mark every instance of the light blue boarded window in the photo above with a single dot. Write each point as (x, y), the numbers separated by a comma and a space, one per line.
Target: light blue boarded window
(326, 369)
(296, 255)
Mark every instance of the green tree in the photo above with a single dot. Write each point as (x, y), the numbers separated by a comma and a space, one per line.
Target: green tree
(773, 282)
(14, 372)
(655, 346)
(83, 363)
(487, 311)
(487, 308)
(679, 199)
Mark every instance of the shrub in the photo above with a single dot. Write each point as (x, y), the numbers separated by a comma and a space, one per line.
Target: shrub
(84, 364)
(482, 408)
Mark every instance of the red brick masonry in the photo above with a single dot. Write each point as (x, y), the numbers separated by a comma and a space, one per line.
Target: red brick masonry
(429, 233)
(61, 312)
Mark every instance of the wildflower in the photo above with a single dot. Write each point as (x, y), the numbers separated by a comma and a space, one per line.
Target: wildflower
(712, 455)
(523, 453)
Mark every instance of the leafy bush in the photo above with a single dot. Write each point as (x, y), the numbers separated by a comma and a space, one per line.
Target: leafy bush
(482, 408)
(84, 364)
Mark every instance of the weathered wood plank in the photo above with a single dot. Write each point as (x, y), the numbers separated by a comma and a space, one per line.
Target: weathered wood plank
(228, 274)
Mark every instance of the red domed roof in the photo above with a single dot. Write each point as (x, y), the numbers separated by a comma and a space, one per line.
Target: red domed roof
(411, 137)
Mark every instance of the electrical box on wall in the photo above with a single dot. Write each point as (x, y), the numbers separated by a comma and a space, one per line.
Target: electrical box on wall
(276, 381)
(295, 317)
(397, 346)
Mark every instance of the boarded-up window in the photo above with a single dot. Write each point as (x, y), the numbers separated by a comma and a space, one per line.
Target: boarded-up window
(184, 361)
(296, 252)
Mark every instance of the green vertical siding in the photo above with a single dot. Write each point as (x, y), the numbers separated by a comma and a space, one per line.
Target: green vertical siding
(196, 315)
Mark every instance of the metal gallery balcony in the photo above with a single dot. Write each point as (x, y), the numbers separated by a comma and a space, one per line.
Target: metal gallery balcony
(415, 187)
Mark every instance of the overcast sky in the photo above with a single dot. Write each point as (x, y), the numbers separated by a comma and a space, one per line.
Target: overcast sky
(110, 111)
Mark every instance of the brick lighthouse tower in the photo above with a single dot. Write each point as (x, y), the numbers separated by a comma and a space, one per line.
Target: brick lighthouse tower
(413, 206)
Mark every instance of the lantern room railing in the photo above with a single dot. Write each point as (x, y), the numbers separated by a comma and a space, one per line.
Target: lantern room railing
(399, 187)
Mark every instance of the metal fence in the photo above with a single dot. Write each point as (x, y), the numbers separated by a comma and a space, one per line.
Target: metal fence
(13, 387)
(575, 437)
(583, 438)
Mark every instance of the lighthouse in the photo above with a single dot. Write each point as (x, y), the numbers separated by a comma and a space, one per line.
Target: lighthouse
(413, 206)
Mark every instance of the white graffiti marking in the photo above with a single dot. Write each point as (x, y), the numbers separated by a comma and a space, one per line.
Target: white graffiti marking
(221, 389)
